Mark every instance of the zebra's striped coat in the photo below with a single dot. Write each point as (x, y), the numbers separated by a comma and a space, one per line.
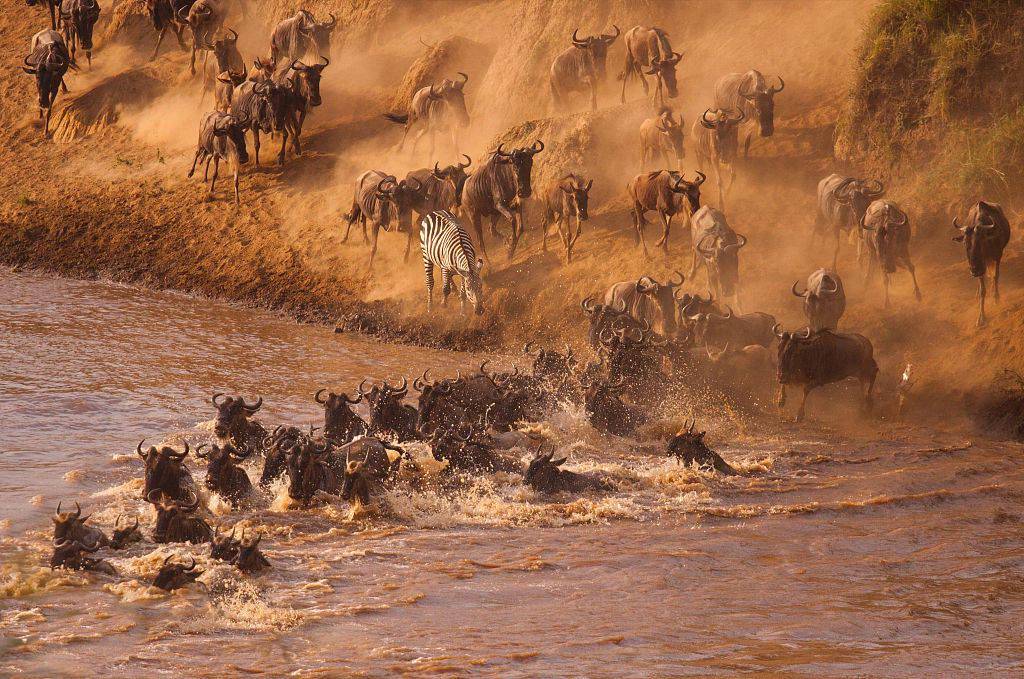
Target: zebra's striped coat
(445, 244)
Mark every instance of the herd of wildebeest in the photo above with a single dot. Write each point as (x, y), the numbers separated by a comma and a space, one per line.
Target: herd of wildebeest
(650, 338)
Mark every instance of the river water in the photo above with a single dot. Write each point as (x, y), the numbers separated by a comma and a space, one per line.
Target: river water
(876, 550)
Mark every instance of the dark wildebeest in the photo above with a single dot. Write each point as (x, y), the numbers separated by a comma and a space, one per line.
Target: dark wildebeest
(341, 423)
(546, 476)
(498, 189)
(450, 403)
(666, 192)
(165, 471)
(262, 69)
(48, 61)
(605, 317)
(52, 5)
(715, 137)
(224, 474)
(388, 415)
(660, 136)
(441, 189)
(886, 232)
(648, 51)
(824, 299)
(68, 554)
(749, 92)
(205, 18)
(224, 90)
(298, 36)
(249, 558)
(172, 576)
(608, 413)
(566, 200)
(718, 246)
(816, 359)
(688, 447)
(78, 17)
(221, 136)
(126, 534)
(71, 526)
(379, 198)
(718, 330)
(984, 235)
(648, 301)
(580, 68)
(302, 87)
(175, 522)
(226, 58)
(165, 14)
(223, 547)
(234, 424)
(842, 202)
(750, 369)
(264, 104)
(433, 109)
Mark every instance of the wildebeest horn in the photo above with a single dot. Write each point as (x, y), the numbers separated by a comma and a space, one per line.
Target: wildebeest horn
(332, 23)
(902, 221)
(214, 399)
(674, 59)
(254, 407)
(184, 17)
(469, 161)
(609, 38)
(536, 147)
(360, 388)
(199, 450)
(576, 41)
(700, 244)
(956, 225)
(777, 330)
(742, 115)
(316, 396)
(527, 348)
(690, 424)
(193, 566)
(592, 304)
(799, 294)
(327, 62)
(465, 79)
(782, 85)
(670, 284)
(433, 94)
(806, 332)
(715, 357)
(29, 67)
(419, 184)
(728, 312)
(149, 496)
(138, 449)
(700, 179)
(437, 172)
(878, 189)
(736, 246)
(179, 456)
(240, 453)
(704, 120)
(835, 283)
(235, 33)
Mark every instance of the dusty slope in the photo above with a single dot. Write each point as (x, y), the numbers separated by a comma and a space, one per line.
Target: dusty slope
(115, 202)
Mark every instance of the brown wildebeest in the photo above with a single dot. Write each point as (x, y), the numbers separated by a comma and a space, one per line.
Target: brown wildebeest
(659, 136)
(667, 192)
(580, 68)
(749, 92)
(715, 242)
(886, 232)
(984, 236)
(441, 190)
(433, 109)
(647, 301)
(226, 58)
(648, 51)
(379, 197)
(221, 136)
(497, 189)
(295, 37)
(52, 5)
(205, 18)
(48, 61)
(164, 14)
(262, 69)
(715, 135)
(824, 299)
(842, 202)
(78, 17)
(264, 104)
(225, 89)
(302, 93)
(564, 200)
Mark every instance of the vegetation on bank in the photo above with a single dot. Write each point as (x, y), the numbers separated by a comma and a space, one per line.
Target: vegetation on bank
(936, 98)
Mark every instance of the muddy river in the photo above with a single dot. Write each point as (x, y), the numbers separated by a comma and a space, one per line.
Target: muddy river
(874, 549)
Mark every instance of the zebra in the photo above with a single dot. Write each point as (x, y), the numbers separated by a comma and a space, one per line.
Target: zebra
(446, 244)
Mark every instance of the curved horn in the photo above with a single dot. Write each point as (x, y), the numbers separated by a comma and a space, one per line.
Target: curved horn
(878, 188)
(235, 34)
(704, 120)
(465, 79)
(782, 85)
(671, 284)
(777, 330)
(742, 240)
(611, 38)
(255, 406)
(214, 399)
(138, 449)
(527, 348)
(534, 147)
(469, 161)
(360, 388)
(576, 41)
(805, 333)
(316, 396)
(701, 178)
(332, 23)
(799, 294)
(199, 450)
(835, 283)
(592, 304)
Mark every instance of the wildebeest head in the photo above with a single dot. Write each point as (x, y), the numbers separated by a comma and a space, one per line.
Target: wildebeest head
(232, 128)
(688, 445)
(578, 193)
(125, 534)
(224, 48)
(165, 470)
(722, 258)
(320, 32)
(456, 174)
(307, 470)
(521, 160)
(68, 525)
(173, 576)
(551, 365)
(223, 471)
(83, 17)
(790, 350)
(691, 306)
(723, 124)
(233, 415)
(223, 547)
(432, 394)
(452, 93)
(711, 326)
(398, 197)
(858, 194)
(249, 558)
(271, 101)
(665, 71)
(306, 82)
(763, 101)
(598, 46)
(689, 190)
(543, 473)
(338, 414)
(48, 66)
(884, 231)
(356, 485)
(174, 522)
(663, 295)
(672, 130)
(976, 234)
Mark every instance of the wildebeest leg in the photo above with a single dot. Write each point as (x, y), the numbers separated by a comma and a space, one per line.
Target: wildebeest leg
(664, 158)
(428, 274)
(867, 384)
(544, 228)
(909, 266)
(803, 403)
(192, 61)
(666, 224)
(478, 229)
(195, 160)
(981, 300)
(234, 164)
(373, 244)
(362, 220)
(216, 171)
(746, 144)
(408, 243)
(159, 39)
(446, 286)
(416, 140)
(593, 95)
(256, 144)
(995, 279)
(351, 220)
(885, 287)
(835, 254)
(284, 145)
(625, 75)
(781, 401)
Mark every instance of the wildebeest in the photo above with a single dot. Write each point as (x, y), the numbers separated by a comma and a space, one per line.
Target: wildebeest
(498, 189)
(263, 104)
(717, 246)
(67, 554)
(842, 202)
(647, 300)
(71, 526)
(388, 415)
(660, 136)
(295, 37)
(749, 92)
(249, 558)
(224, 474)
(688, 447)
(379, 198)
(223, 547)
(580, 68)
(224, 91)
(433, 109)
(445, 244)
(205, 18)
(125, 535)
(441, 189)
(449, 403)
(170, 14)
(367, 466)
(648, 51)
(341, 423)
(234, 422)
(815, 359)
(669, 193)
(301, 84)
(52, 5)
(984, 235)
(608, 413)
(718, 330)
(262, 69)
(165, 471)
(172, 576)
(824, 299)
(221, 136)
(277, 446)
(175, 521)
(603, 316)
(715, 137)
(546, 476)
(886, 232)
(78, 17)
(750, 369)
(48, 61)
(566, 200)
(226, 57)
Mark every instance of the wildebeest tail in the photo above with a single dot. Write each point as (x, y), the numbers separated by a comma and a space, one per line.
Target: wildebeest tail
(397, 118)
(353, 214)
